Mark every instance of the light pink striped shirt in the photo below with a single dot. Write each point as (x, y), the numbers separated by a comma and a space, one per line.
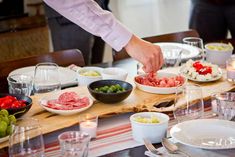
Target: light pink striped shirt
(88, 15)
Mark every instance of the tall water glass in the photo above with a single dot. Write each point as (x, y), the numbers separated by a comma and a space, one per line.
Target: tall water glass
(188, 103)
(46, 78)
(26, 139)
(198, 43)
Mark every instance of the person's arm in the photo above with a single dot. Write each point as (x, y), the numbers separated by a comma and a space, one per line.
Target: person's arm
(88, 15)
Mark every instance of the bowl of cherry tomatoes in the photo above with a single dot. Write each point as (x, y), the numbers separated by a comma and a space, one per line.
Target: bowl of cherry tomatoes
(15, 104)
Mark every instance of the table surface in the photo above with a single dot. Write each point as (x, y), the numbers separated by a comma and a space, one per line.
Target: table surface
(130, 66)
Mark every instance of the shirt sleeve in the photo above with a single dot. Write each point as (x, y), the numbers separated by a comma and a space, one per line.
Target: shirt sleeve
(88, 15)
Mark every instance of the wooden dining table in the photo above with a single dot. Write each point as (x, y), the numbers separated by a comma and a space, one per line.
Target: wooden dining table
(131, 66)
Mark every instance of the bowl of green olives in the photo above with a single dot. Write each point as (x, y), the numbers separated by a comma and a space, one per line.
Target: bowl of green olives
(110, 91)
(6, 121)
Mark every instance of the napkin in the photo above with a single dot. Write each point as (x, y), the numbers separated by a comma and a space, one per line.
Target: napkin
(193, 152)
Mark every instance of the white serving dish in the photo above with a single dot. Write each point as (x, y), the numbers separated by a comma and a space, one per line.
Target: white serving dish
(55, 95)
(114, 73)
(151, 131)
(85, 80)
(218, 56)
(205, 133)
(161, 90)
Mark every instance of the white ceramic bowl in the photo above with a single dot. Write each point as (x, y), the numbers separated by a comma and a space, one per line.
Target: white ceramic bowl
(218, 53)
(161, 90)
(85, 80)
(55, 95)
(114, 73)
(151, 131)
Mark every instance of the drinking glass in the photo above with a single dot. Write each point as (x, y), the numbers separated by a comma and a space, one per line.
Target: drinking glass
(188, 103)
(20, 84)
(46, 78)
(198, 43)
(26, 139)
(74, 144)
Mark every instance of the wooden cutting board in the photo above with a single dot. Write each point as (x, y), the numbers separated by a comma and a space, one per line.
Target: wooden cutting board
(137, 101)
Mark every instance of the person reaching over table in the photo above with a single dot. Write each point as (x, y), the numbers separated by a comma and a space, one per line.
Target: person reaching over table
(88, 15)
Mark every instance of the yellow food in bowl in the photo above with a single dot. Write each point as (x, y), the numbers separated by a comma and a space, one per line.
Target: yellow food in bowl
(220, 47)
(152, 119)
(89, 73)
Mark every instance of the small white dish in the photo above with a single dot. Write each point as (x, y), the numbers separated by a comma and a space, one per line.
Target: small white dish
(220, 74)
(43, 102)
(161, 90)
(86, 80)
(205, 133)
(151, 131)
(114, 73)
(218, 53)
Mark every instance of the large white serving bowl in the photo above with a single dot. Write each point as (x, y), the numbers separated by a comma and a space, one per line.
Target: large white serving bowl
(85, 80)
(161, 90)
(218, 53)
(151, 131)
(114, 73)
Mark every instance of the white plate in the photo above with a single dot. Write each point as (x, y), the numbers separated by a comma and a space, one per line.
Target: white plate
(55, 95)
(205, 133)
(160, 90)
(171, 50)
(67, 76)
(4, 139)
(196, 80)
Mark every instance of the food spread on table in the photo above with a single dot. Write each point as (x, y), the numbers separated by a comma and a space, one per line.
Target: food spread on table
(68, 101)
(201, 71)
(11, 102)
(152, 79)
(151, 120)
(110, 89)
(6, 122)
(89, 73)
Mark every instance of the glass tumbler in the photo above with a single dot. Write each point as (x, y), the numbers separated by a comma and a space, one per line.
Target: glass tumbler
(74, 144)
(189, 103)
(46, 78)
(20, 84)
(26, 139)
(198, 43)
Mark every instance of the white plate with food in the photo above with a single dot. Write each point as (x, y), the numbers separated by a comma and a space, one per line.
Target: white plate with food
(172, 50)
(160, 83)
(201, 71)
(205, 133)
(65, 103)
(67, 77)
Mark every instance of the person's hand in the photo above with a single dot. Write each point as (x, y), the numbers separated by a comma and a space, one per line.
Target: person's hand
(146, 53)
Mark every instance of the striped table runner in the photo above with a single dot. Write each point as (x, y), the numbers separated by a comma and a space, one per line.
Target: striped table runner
(114, 134)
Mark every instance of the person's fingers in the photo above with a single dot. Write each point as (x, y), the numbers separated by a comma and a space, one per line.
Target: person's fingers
(161, 60)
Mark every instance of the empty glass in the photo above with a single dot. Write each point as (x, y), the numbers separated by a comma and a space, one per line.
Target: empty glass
(46, 78)
(74, 144)
(189, 103)
(20, 84)
(26, 139)
(196, 42)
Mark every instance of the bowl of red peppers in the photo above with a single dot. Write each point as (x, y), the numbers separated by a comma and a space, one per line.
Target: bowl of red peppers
(15, 104)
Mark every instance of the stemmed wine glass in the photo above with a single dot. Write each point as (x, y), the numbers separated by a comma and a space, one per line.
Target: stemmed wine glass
(198, 43)
(26, 139)
(46, 78)
(189, 103)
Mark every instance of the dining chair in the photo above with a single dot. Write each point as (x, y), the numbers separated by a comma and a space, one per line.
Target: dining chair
(62, 58)
(172, 37)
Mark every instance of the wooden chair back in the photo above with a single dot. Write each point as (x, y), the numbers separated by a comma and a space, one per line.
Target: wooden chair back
(62, 58)
(172, 37)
